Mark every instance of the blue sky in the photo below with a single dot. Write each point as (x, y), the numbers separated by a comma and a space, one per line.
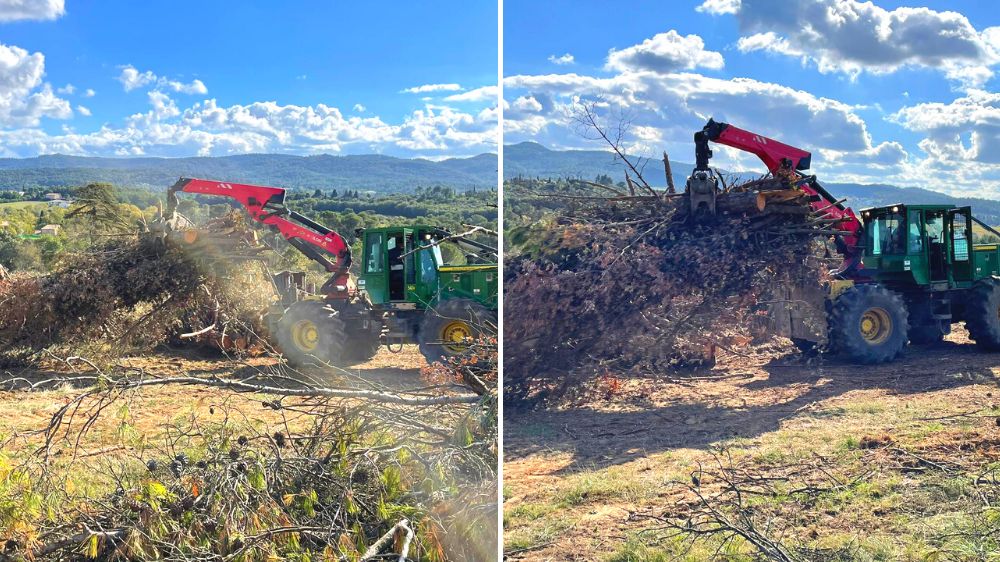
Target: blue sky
(885, 92)
(183, 78)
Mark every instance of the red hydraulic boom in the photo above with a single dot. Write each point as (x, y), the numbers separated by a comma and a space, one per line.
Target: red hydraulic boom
(267, 206)
(782, 159)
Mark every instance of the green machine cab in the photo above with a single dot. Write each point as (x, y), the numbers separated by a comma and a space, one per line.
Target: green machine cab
(406, 293)
(922, 271)
(929, 247)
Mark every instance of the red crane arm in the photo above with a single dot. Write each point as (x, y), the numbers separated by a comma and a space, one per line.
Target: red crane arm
(778, 156)
(775, 155)
(267, 206)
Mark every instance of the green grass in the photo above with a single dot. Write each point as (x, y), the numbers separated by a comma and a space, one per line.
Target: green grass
(23, 204)
(599, 485)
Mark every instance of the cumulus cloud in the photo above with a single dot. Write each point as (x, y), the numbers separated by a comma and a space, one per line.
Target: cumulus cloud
(965, 130)
(665, 52)
(432, 88)
(89, 93)
(83, 111)
(24, 97)
(679, 103)
(719, 7)
(68, 89)
(14, 10)
(194, 87)
(132, 79)
(564, 59)
(359, 108)
(652, 84)
(851, 37)
(483, 94)
(207, 128)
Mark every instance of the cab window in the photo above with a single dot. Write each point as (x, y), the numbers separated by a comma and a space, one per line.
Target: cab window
(886, 236)
(374, 264)
(960, 234)
(428, 269)
(915, 234)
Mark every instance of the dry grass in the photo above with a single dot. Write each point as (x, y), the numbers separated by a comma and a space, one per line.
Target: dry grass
(910, 442)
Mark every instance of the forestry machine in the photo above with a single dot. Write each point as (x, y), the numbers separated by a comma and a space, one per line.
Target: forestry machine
(405, 292)
(908, 271)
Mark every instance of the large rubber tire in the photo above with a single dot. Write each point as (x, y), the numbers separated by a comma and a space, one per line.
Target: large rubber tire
(311, 333)
(362, 347)
(982, 314)
(452, 320)
(868, 324)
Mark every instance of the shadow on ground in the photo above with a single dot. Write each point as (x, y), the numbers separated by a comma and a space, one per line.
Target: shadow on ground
(600, 434)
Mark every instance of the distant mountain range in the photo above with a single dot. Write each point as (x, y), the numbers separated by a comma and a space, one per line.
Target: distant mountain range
(532, 160)
(365, 172)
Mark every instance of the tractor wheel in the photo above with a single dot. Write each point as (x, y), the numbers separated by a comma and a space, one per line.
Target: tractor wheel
(310, 333)
(362, 347)
(982, 314)
(446, 326)
(868, 323)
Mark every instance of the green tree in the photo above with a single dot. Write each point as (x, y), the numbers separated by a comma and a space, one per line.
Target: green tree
(51, 249)
(9, 250)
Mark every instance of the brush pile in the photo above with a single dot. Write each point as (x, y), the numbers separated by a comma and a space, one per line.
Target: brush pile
(133, 292)
(634, 282)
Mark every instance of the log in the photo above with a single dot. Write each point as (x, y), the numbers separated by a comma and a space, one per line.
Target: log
(670, 176)
(747, 202)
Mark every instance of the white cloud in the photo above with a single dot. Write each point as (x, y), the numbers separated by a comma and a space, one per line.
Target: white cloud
(665, 52)
(89, 93)
(24, 97)
(483, 94)
(432, 88)
(851, 37)
(966, 130)
(719, 7)
(206, 128)
(194, 87)
(769, 41)
(68, 89)
(561, 60)
(13, 10)
(359, 108)
(83, 111)
(132, 79)
(682, 102)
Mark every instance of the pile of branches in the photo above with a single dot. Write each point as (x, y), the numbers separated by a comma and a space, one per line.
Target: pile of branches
(133, 292)
(631, 280)
(334, 475)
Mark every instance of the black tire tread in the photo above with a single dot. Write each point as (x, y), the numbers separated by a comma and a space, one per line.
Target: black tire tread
(332, 334)
(981, 318)
(846, 312)
(435, 318)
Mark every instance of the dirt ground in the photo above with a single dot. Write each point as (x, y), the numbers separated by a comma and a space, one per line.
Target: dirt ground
(152, 410)
(582, 476)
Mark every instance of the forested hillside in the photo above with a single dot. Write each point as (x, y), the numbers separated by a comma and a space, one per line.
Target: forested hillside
(365, 172)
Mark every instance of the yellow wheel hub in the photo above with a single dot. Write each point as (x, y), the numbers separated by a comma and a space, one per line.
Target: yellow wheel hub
(454, 336)
(875, 325)
(305, 335)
